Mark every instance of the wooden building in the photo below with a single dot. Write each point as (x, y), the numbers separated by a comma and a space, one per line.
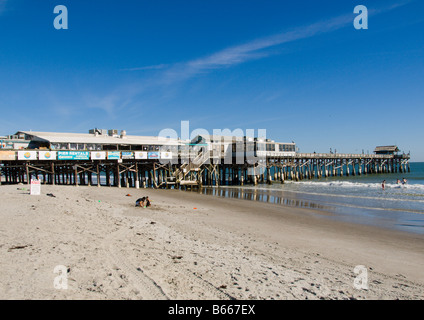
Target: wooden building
(392, 150)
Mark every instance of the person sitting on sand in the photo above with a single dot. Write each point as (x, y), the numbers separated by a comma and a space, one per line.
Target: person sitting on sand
(148, 204)
(140, 202)
(143, 202)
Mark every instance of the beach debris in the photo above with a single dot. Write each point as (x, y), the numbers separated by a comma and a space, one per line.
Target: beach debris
(51, 195)
(222, 286)
(152, 222)
(19, 247)
(194, 208)
(128, 195)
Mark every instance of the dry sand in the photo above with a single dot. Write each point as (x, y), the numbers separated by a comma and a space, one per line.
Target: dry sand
(223, 249)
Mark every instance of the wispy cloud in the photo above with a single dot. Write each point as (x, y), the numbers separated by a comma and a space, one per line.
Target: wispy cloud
(253, 50)
(259, 48)
(153, 67)
(113, 102)
(262, 47)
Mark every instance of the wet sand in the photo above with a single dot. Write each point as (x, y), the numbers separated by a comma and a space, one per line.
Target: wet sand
(193, 246)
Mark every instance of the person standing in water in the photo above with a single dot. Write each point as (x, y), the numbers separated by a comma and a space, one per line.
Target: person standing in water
(383, 184)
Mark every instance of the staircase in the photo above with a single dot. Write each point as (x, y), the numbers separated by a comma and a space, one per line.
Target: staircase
(182, 172)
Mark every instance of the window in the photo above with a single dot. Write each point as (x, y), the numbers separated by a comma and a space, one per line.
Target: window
(250, 146)
(270, 147)
(260, 147)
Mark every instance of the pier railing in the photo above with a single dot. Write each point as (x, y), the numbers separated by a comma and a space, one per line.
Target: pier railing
(342, 156)
(184, 155)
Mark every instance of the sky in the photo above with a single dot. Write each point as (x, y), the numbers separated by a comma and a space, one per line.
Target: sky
(298, 69)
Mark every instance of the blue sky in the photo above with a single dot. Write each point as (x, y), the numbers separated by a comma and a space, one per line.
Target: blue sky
(298, 69)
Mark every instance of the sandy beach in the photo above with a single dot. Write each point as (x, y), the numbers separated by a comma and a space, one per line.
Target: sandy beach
(192, 246)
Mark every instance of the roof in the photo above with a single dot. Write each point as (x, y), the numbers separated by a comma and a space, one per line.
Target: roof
(58, 137)
(226, 138)
(214, 137)
(386, 149)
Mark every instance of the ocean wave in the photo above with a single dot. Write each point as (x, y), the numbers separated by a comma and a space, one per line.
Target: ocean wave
(326, 186)
(371, 185)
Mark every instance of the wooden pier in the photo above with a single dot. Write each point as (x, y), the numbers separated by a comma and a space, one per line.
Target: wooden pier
(106, 158)
(204, 170)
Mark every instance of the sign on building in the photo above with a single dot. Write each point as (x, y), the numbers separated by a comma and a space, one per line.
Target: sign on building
(7, 155)
(153, 155)
(127, 155)
(114, 155)
(27, 155)
(47, 155)
(140, 155)
(98, 155)
(166, 155)
(73, 155)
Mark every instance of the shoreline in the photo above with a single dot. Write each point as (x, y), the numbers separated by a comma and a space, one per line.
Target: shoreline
(192, 246)
(397, 219)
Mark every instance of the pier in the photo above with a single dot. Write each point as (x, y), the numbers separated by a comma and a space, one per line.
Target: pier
(142, 162)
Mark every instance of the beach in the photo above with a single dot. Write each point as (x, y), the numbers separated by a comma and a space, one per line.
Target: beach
(191, 246)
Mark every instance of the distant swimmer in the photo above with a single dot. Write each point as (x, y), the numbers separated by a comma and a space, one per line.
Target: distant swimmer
(404, 181)
(397, 181)
(383, 184)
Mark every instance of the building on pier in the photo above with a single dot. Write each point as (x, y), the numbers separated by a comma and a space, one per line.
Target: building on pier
(112, 158)
(14, 142)
(98, 140)
(243, 147)
(392, 150)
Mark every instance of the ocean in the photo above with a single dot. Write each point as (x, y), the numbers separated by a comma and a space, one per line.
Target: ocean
(358, 199)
